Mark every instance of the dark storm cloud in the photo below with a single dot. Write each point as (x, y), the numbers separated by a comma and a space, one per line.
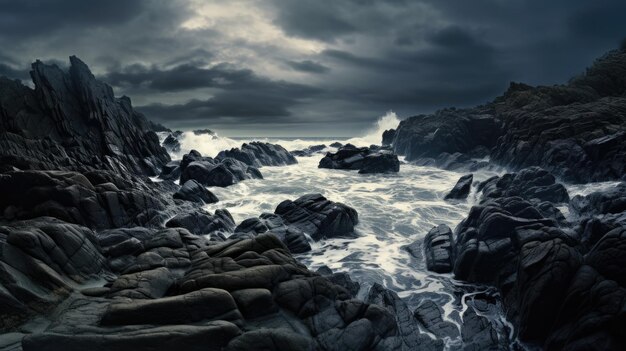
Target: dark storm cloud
(332, 63)
(307, 66)
(222, 76)
(26, 18)
(13, 73)
(247, 106)
(312, 19)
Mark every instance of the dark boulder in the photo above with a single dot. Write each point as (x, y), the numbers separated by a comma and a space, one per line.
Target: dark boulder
(291, 236)
(258, 154)
(529, 184)
(210, 172)
(388, 136)
(201, 222)
(194, 192)
(462, 188)
(364, 159)
(172, 143)
(449, 130)
(318, 217)
(438, 245)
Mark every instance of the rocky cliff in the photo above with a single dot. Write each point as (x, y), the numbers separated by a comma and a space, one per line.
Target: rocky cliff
(71, 121)
(576, 130)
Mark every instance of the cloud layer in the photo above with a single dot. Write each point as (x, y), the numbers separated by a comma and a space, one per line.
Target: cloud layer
(323, 67)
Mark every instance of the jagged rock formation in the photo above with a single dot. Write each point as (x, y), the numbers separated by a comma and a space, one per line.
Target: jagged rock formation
(258, 154)
(71, 121)
(576, 131)
(557, 279)
(366, 160)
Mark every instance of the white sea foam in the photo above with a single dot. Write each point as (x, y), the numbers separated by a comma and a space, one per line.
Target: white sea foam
(394, 210)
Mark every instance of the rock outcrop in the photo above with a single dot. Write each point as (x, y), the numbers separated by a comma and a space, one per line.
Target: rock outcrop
(213, 172)
(576, 131)
(461, 189)
(258, 154)
(318, 217)
(71, 121)
(555, 278)
(366, 160)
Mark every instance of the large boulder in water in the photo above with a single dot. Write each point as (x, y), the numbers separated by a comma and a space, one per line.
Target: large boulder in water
(366, 160)
(461, 188)
(260, 154)
(318, 217)
(212, 172)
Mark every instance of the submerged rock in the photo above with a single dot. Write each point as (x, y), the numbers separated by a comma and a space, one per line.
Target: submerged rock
(309, 151)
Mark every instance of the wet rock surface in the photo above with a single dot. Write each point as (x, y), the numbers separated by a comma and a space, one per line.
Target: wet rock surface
(213, 172)
(364, 159)
(65, 124)
(258, 154)
(576, 131)
(318, 217)
(518, 241)
(461, 189)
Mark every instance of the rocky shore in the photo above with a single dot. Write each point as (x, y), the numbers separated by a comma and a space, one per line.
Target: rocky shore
(96, 255)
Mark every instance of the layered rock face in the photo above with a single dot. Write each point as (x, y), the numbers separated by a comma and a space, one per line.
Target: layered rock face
(576, 131)
(71, 121)
(366, 160)
(561, 282)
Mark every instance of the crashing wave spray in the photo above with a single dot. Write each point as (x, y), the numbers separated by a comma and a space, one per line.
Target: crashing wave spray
(206, 144)
(389, 121)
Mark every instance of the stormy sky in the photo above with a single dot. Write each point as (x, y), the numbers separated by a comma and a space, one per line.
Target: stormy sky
(308, 67)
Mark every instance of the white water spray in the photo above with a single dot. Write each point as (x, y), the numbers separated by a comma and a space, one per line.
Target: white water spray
(374, 136)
